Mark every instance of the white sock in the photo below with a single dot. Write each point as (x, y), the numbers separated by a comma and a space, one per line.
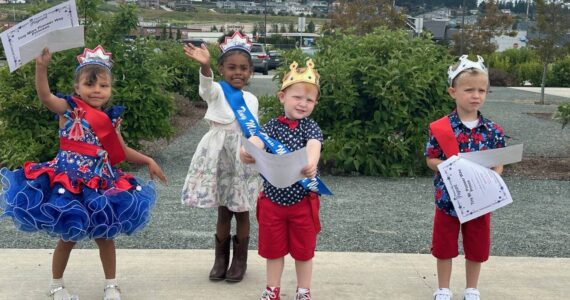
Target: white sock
(302, 290)
(55, 283)
(112, 293)
(61, 294)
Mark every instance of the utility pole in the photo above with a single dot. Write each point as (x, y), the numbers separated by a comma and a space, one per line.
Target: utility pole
(462, 30)
(265, 26)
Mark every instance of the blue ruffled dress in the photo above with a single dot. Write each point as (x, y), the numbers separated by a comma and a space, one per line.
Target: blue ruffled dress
(76, 196)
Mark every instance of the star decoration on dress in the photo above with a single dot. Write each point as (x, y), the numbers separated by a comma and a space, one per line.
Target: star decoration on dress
(95, 56)
(236, 41)
(84, 169)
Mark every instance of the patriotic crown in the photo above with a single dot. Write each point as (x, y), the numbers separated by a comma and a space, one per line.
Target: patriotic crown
(95, 56)
(236, 41)
(464, 64)
(309, 75)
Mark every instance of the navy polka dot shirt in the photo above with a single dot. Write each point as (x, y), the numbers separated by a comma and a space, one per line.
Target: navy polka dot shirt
(294, 140)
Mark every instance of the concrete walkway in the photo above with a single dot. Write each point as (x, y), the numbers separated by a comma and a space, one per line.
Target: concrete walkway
(560, 92)
(182, 274)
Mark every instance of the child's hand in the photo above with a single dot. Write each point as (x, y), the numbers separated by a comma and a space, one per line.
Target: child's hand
(245, 157)
(44, 58)
(310, 170)
(199, 54)
(155, 171)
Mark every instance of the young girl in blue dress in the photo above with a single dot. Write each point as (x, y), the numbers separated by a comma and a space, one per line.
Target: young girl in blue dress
(80, 193)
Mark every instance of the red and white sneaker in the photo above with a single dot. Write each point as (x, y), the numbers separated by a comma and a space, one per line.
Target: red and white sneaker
(303, 294)
(270, 293)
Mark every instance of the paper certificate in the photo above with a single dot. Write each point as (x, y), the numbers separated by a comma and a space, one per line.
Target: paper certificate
(280, 170)
(495, 157)
(473, 189)
(54, 19)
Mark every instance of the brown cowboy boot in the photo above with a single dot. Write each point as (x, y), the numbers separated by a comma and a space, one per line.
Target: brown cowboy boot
(222, 260)
(239, 260)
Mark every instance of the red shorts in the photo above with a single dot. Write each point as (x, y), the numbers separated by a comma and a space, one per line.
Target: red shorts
(288, 229)
(476, 237)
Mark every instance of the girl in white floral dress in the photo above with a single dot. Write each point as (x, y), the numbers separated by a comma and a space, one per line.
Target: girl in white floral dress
(216, 176)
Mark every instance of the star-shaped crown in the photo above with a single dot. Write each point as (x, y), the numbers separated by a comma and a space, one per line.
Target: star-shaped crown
(309, 75)
(95, 56)
(464, 64)
(236, 41)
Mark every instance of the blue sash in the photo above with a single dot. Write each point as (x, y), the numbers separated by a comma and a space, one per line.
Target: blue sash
(250, 128)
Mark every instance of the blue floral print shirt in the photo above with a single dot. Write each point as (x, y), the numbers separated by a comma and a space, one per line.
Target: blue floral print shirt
(486, 135)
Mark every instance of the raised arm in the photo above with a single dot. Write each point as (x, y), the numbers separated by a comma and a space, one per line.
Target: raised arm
(200, 55)
(53, 103)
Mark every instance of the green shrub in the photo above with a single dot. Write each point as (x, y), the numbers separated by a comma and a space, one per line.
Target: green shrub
(28, 130)
(559, 75)
(182, 71)
(518, 64)
(379, 92)
(531, 71)
(498, 77)
(563, 114)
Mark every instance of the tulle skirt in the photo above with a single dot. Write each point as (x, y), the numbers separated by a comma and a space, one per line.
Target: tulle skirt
(40, 205)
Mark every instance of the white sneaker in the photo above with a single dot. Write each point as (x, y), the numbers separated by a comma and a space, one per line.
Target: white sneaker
(471, 294)
(57, 291)
(443, 294)
(112, 292)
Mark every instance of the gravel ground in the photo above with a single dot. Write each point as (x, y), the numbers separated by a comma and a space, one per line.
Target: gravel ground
(369, 214)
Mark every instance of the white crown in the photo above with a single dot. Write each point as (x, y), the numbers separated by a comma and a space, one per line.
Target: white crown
(237, 41)
(464, 64)
(95, 56)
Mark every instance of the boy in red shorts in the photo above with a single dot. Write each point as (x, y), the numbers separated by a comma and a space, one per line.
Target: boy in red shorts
(463, 130)
(289, 217)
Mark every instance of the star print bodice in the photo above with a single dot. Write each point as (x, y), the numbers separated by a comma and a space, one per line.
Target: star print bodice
(82, 160)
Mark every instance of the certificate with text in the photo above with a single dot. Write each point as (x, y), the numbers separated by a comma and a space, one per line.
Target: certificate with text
(54, 19)
(473, 189)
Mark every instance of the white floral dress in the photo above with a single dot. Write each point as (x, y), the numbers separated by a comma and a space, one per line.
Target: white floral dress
(217, 176)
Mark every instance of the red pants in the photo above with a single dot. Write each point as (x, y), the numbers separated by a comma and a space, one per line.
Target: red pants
(476, 237)
(288, 229)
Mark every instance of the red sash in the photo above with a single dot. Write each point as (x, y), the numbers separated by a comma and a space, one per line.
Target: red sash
(104, 130)
(444, 135)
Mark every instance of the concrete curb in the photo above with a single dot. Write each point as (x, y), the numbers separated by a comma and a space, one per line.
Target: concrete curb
(182, 274)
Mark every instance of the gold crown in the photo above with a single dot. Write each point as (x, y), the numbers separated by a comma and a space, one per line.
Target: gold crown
(309, 75)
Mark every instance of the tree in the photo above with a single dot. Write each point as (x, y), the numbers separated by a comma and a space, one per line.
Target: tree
(291, 27)
(365, 15)
(87, 9)
(117, 26)
(178, 34)
(283, 29)
(163, 33)
(477, 38)
(552, 25)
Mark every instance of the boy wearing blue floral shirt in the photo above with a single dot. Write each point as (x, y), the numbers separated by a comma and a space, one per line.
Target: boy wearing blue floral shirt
(463, 130)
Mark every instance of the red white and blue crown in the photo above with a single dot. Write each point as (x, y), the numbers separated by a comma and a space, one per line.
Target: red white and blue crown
(236, 41)
(464, 64)
(95, 56)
